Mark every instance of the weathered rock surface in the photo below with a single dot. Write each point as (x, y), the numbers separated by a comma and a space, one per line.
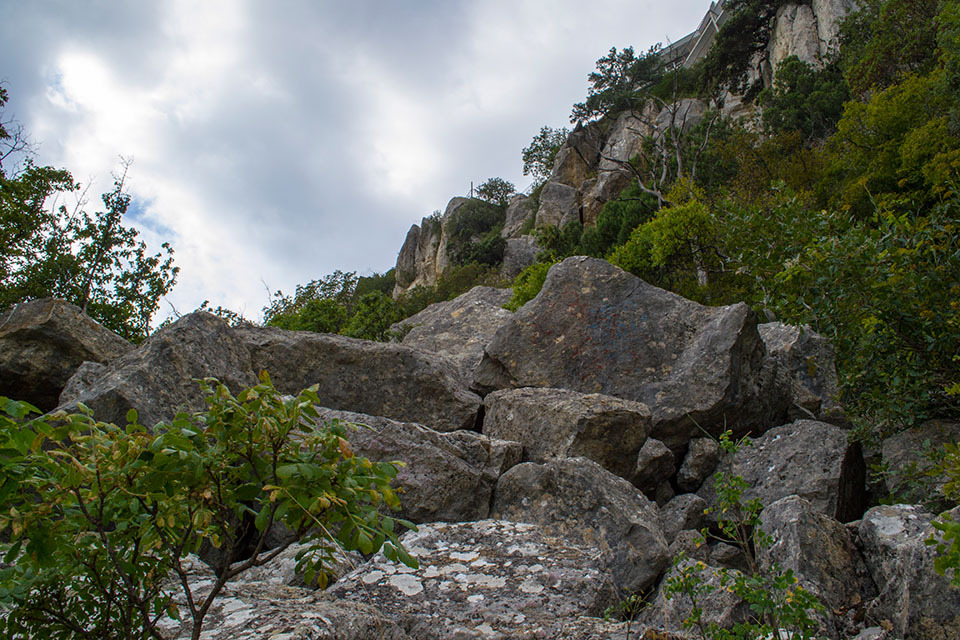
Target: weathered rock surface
(822, 554)
(576, 498)
(806, 369)
(423, 256)
(682, 115)
(578, 157)
(654, 465)
(557, 423)
(806, 458)
(917, 601)
(481, 579)
(448, 477)
(406, 268)
(908, 455)
(685, 511)
(256, 605)
(701, 460)
(375, 378)
(459, 328)
(597, 329)
(157, 379)
(43, 342)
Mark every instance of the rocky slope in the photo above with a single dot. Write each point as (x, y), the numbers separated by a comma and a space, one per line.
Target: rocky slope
(564, 472)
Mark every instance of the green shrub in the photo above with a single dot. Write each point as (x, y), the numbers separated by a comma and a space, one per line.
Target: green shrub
(96, 519)
(473, 233)
(527, 284)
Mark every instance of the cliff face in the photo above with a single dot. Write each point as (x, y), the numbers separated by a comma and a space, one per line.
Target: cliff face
(592, 166)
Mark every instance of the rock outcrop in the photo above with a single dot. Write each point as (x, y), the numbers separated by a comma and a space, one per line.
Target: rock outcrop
(594, 328)
(43, 343)
(909, 456)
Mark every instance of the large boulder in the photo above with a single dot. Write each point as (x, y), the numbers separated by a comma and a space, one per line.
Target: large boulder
(594, 328)
(702, 457)
(557, 423)
(43, 342)
(577, 499)
(813, 460)
(460, 328)
(823, 557)
(655, 465)
(375, 378)
(482, 579)
(916, 601)
(908, 458)
(157, 379)
(519, 254)
(447, 476)
(805, 367)
(519, 211)
(683, 512)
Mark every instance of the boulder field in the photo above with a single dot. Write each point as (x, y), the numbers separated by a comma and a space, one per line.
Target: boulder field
(557, 460)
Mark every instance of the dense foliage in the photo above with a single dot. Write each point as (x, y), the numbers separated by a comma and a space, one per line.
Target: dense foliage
(619, 82)
(538, 158)
(99, 518)
(89, 259)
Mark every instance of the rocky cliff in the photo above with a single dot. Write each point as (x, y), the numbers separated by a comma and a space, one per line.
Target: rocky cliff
(559, 466)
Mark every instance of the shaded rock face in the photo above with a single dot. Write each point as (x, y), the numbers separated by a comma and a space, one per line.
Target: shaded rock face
(559, 205)
(43, 342)
(822, 554)
(480, 579)
(406, 268)
(157, 378)
(914, 599)
(557, 423)
(808, 31)
(448, 477)
(907, 457)
(806, 370)
(578, 157)
(577, 499)
(806, 458)
(459, 328)
(702, 457)
(681, 116)
(375, 378)
(685, 511)
(654, 465)
(594, 328)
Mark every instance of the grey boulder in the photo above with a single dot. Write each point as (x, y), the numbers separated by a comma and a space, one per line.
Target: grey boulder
(374, 378)
(702, 457)
(577, 499)
(919, 603)
(594, 328)
(157, 379)
(558, 423)
(43, 342)
(909, 456)
(446, 477)
(813, 460)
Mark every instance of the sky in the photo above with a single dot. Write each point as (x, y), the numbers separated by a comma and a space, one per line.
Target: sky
(273, 143)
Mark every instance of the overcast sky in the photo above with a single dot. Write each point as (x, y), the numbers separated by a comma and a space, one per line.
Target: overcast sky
(275, 142)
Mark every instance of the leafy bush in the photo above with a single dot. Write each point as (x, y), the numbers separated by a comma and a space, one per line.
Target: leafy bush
(804, 99)
(97, 519)
(496, 191)
(538, 158)
(527, 284)
(474, 233)
(450, 284)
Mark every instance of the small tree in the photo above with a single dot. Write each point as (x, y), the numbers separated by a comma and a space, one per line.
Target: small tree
(496, 191)
(538, 158)
(619, 83)
(96, 519)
